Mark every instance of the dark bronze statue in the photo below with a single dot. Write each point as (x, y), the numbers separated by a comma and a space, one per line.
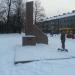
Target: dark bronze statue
(63, 40)
(62, 37)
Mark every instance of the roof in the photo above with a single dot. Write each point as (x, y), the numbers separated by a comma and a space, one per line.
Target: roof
(61, 16)
(67, 28)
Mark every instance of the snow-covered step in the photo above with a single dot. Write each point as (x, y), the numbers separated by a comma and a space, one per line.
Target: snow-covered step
(38, 52)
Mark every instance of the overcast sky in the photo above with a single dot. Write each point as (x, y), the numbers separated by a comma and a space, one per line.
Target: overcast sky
(56, 7)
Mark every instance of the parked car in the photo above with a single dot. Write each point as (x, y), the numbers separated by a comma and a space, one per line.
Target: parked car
(71, 36)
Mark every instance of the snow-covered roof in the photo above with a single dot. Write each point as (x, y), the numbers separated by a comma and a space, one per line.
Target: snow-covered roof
(61, 16)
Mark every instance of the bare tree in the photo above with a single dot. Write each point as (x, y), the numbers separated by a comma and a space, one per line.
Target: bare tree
(9, 9)
(11, 12)
(6, 8)
(38, 11)
(14, 12)
(2, 11)
(19, 11)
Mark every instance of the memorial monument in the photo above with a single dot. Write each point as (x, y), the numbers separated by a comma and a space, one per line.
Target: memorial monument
(33, 33)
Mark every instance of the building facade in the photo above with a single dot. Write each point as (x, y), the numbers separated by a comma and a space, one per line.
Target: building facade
(53, 24)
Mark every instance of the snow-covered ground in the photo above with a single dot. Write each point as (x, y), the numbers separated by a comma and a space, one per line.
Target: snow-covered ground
(8, 44)
(44, 52)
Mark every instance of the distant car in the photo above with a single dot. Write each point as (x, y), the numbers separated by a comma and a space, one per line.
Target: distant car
(71, 36)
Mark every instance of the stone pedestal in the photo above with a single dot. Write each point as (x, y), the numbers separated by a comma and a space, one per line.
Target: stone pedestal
(29, 40)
